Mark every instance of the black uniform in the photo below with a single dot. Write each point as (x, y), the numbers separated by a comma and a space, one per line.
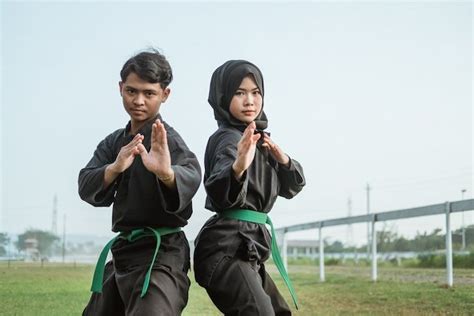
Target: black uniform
(230, 254)
(140, 200)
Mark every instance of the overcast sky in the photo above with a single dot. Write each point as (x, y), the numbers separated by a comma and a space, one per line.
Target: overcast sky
(358, 93)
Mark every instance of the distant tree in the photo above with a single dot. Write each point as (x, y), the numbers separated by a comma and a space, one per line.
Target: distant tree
(457, 237)
(401, 244)
(385, 239)
(46, 240)
(428, 242)
(388, 240)
(336, 246)
(4, 240)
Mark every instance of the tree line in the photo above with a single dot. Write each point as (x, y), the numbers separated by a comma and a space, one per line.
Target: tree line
(390, 241)
(48, 243)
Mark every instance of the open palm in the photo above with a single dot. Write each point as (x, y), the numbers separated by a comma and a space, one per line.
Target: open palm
(246, 150)
(157, 160)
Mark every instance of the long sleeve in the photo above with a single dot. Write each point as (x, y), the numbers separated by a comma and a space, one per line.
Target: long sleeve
(91, 178)
(291, 179)
(188, 176)
(223, 189)
(261, 184)
(139, 198)
(143, 200)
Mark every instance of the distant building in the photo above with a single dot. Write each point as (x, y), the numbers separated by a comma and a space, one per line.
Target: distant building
(31, 249)
(302, 248)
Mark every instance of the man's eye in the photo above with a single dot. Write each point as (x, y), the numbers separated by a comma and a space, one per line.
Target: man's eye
(131, 91)
(150, 94)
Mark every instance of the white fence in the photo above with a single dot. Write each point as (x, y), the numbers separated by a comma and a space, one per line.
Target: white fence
(444, 208)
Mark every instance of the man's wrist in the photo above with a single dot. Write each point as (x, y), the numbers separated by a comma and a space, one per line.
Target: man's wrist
(166, 177)
(113, 168)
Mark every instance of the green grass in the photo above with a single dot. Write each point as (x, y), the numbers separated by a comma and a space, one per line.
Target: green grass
(56, 289)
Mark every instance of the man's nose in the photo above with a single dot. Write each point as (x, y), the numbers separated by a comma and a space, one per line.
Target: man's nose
(139, 99)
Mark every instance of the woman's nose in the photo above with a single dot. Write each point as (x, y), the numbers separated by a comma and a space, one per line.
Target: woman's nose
(249, 99)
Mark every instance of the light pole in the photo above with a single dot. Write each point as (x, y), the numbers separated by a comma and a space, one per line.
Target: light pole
(368, 224)
(463, 228)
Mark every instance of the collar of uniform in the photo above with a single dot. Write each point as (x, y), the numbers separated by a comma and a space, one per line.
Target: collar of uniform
(145, 129)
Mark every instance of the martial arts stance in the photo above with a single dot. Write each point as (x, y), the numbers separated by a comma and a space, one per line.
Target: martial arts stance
(149, 174)
(245, 171)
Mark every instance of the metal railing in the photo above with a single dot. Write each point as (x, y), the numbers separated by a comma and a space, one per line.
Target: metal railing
(444, 208)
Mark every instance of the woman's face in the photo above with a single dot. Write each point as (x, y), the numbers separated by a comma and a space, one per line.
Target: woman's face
(246, 103)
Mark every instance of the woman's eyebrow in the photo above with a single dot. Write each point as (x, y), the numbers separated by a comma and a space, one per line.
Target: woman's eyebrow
(257, 88)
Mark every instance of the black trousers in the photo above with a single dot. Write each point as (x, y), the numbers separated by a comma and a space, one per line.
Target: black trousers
(241, 287)
(167, 292)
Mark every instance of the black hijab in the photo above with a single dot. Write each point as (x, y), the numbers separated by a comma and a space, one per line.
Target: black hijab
(225, 80)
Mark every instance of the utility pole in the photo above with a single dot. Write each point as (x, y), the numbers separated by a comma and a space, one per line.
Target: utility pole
(350, 233)
(463, 246)
(64, 238)
(349, 237)
(54, 226)
(368, 224)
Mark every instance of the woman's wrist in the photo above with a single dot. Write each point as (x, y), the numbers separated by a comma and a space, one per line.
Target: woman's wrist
(238, 172)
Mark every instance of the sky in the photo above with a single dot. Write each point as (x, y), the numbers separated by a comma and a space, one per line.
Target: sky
(357, 92)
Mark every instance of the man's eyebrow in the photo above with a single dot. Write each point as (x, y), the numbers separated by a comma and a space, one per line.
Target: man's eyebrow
(150, 90)
(144, 90)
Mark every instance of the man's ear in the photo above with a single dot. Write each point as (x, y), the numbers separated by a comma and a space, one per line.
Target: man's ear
(166, 94)
(120, 87)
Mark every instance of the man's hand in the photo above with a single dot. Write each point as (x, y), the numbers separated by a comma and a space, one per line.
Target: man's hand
(124, 160)
(158, 159)
(275, 151)
(245, 151)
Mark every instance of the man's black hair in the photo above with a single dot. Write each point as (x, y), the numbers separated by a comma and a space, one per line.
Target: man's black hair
(150, 66)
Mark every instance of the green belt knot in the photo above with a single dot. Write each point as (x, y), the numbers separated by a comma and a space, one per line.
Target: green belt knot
(131, 236)
(263, 218)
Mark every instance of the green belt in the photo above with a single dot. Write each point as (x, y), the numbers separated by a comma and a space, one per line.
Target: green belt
(262, 218)
(132, 236)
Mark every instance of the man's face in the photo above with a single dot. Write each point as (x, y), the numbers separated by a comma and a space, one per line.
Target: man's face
(246, 103)
(141, 99)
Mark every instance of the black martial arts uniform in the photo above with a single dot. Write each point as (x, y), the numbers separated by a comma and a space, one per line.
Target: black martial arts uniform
(229, 254)
(141, 200)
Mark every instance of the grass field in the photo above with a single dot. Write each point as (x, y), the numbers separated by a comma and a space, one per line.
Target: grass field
(56, 289)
